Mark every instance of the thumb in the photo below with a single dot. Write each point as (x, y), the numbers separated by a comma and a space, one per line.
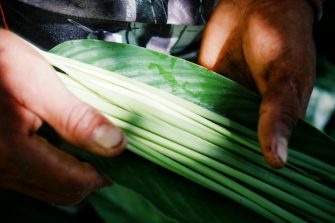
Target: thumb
(77, 122)
(46, 96)
(281, 106)
(83, 126)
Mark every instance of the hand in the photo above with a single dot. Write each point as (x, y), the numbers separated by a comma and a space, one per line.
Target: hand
(266, 45)
(31, 93)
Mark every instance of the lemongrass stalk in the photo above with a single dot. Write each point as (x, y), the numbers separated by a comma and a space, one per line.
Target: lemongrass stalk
(106, 75)
(323, 174)
(178, 104)
(278, 181)
(165, 145)
(293, 176)
(313, 209)
(108, 109)
(223, 131)
(113, 95)
(167, 131)
(305, 161)
(227, 182)
(148, 108)
(235, 137)
(312, 161)
(216, 154)
(176, 167)
(267, 188)
(154, 126)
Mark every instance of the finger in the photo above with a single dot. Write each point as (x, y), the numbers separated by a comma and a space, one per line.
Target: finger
(281, 57)
(85, 127)
(285, 84)
(77, 122)
(218, 34)
(221, 46)
(280, 108)
(74, 120)
(49, 174)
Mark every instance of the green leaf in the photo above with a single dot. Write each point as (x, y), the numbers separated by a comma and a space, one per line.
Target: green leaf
(173, 195)
(176, 76)
(176, 196)
(122, 205)
(193, 83)
(164, 195)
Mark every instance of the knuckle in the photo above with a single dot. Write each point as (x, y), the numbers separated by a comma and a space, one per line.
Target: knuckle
(80, 118)
(278, 119)
(289, 118)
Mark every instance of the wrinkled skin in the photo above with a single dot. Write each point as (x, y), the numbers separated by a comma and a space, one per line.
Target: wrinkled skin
(266, 45)
(30, 93)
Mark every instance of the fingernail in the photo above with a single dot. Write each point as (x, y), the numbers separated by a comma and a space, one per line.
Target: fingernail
(107, 136)
(281, 149)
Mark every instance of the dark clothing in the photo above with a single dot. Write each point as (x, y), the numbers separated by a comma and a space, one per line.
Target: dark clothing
(145, 11)
(170, 26)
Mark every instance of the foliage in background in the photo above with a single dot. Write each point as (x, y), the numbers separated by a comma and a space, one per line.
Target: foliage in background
(321, 107)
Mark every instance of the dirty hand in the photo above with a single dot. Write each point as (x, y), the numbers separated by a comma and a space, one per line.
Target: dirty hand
(266, 45)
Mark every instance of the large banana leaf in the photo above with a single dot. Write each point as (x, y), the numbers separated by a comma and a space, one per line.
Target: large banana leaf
(164, 196)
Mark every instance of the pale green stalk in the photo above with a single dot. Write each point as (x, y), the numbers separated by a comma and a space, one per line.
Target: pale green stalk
(176, 167)
(182, 135)
(267, 188)
(110, 77)
(179, 105)
(112, 111)
(146, 108)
